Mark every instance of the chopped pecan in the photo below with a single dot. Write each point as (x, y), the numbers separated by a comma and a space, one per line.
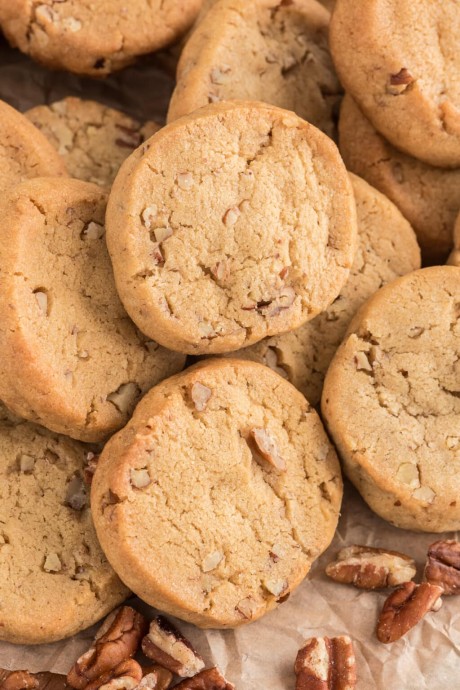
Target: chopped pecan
(443, 566)
(404, 608)
(325, 663)
(369, 568)
(19, 680)
(156, 678)
(399, 82)
(266, 448)
(90, 467)
(116, 641)
(125, 676)
(210, 679)
(166, 645)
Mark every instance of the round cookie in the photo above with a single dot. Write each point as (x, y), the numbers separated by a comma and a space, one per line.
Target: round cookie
(454, 258)
(94, 38)
(225, 480)
(264, 50)
(428, 197)
(232, 224)
(92, 138)
(387, 249)
(70, 358)
(391, 401)
(400, 61)
(24, 151)
(54, 578)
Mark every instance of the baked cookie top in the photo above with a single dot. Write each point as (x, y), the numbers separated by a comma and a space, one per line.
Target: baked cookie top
(24, 151)
(264, 50)
(454, 258)
(400, 61)
(391, 400)
(94, 38)
(71, 359)
(225, 480)
(230, 224)
(54, 578)
(92, 138)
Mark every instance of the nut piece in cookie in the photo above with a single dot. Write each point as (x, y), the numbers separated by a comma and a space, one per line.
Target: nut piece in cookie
(166, 645)
(404, 608)
(325, 663)
(369, 568)
(443, 566)
(210, 679)
(20, 680)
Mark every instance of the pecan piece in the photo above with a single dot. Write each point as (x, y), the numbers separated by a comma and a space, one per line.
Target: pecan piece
(156, 678)
(125, 676)
(443, 565)
(266, 448)
(90, 467)
(369, 568)
(166, 645)
(400, 82)
(19, 680)
(210, 679)
(116, 641)
(325, 663)
(404, 608)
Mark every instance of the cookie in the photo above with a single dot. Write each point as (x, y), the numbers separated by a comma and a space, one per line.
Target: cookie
(24, 151)
(428, 197)
(70, 358)
(226, 477)
(92, 138)
(391, 401)
(54, 578)
(232, 224)
(454, 258)
(400, 61)
(94, 38)
(264, 50)
(387, 249)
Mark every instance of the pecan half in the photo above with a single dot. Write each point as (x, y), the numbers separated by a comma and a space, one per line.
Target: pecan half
(19, 680)
(210, 679)
(443, 565)
(404, 608)
(166, 645)
(325, 663)
(116, 641)
(156, 678)
(125, 676)
(369, 568)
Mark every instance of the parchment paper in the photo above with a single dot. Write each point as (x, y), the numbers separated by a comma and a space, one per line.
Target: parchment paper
(261, 655)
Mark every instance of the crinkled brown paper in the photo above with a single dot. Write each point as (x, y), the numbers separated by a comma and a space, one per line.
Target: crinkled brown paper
(261, 656)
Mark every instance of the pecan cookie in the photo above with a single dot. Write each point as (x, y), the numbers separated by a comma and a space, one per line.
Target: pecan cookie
(400, 61)
(428, 197)
(54, 578)
(391, 400)
(454, 258)
(225, 476)
(231, 224)
(92, 138)
(94, 38)
(265, 50)
(24, 151)
(70, 358)
(387, 249)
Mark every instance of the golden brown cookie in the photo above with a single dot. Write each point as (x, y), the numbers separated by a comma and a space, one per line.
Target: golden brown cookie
(70, 358)
(429, 197)
(219, 494)
(94, 38)
(231, 224)
(264, 50)
(92, 138)
(454, 258)
(400, 61)
(391, 400)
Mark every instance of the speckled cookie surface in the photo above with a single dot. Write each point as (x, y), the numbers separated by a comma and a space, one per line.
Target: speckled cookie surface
(92, 138)
(231, 224)
(428, 197)
(71, 359)
(387, 249)
(400, 61)
(391, 400)
(264, 50)
(227, 471)
(54, 578)
(94, 38)
(24, 151)
(454, 258)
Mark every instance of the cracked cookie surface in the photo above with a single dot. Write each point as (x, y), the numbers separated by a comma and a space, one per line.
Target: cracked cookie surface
(400, 61)
(94, 38)
(264, 50)
(54, 578)
(224, 476)
(387, 249)
(231, 224)
(391, 400)
(92, 138)
(454, 258)
(72, 360)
